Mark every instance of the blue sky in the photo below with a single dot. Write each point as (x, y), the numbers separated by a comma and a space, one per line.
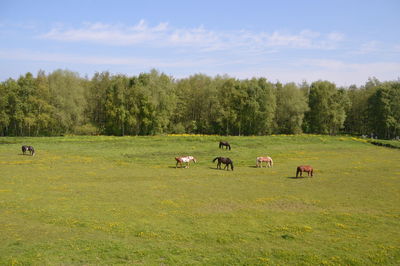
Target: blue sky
(345, 42)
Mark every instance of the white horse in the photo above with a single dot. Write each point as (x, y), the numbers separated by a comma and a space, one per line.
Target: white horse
(268, 160)
(184, 159)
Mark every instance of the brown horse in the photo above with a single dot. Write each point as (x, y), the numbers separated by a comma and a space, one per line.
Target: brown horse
(267, 160)
(224, 144)
(304, 168)
(225, 161)
(26, 148)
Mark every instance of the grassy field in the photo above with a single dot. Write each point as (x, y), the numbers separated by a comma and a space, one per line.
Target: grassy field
(120, 200)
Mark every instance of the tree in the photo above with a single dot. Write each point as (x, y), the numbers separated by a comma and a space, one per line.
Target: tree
(384, 110)
(327, 108)
(4, 116)
(67, 99)
(291, 107)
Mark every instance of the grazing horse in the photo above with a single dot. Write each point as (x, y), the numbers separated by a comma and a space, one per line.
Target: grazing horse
(224, 143)
(304, 168)
(184, 159)
(225, 161)
(28, 148)
(267, 160)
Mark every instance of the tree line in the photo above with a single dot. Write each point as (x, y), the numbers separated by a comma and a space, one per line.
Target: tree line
(152, 103)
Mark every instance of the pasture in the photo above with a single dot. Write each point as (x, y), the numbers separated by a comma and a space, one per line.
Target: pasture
(120, 200)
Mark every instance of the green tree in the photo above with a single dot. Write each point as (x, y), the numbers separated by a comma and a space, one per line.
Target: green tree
(4, 116)
(115, 110)
(95, 97)
(292, 104)
(67, 98)
(384, 110)
(327, 108)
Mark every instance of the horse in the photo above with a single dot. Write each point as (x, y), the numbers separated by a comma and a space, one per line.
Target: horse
(225, 161)
(304, 168)
(268, 160)
(224, 143)
(28, 148)
(184, 159)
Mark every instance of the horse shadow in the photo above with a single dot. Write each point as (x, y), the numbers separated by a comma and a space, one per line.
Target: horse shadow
(173, 167)
(215, 168)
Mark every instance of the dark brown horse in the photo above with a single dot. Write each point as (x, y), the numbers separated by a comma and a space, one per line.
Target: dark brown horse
(304, 168)
(224, 144)
(26, 148)
(225, 161)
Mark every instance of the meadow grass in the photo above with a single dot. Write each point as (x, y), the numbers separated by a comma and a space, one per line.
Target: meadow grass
(120, 200)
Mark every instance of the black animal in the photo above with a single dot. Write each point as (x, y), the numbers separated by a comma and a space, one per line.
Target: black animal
(224, 143)
(26, 148)
(225, 161)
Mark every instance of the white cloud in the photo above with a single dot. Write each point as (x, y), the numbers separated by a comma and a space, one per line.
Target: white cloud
(108, 34)
(164, 35)
(368, 47)
(336, 36)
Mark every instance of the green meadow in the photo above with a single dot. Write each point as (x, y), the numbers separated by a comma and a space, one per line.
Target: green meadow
(120, 200)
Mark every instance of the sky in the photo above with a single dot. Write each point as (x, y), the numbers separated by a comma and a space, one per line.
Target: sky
(345, 42)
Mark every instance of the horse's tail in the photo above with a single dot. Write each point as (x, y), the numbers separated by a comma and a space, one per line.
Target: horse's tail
(298, 171)
(229, 146)
(272, 162)
(232, 165)
(215, 159)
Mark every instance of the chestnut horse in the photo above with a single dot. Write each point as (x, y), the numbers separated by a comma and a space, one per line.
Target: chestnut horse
(225, 161)
(267, 160)
(224, 143)
(184, 159)
(26, 148)
(304, 168)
